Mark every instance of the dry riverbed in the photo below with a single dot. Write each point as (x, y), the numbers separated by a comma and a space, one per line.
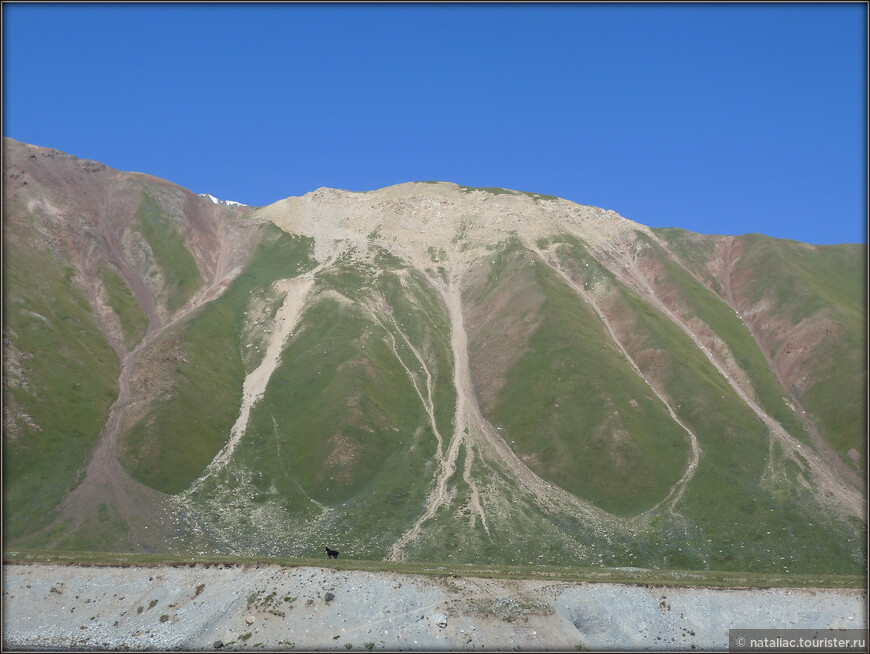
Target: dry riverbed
(268, 607)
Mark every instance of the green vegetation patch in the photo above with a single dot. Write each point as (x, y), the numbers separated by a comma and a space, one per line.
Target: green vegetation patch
(180, 272)
(134, 321)
(743, 513)
(824, 285)
(340, 448)
(695, 250)
(340, 401)
(698, 301)
(67, 383)
(341, 420)
(171, 446)
(419, 313)
(805, 278)
(446, 570)
(808, 294)
(571, 405)
(539, 196)
(493, 190)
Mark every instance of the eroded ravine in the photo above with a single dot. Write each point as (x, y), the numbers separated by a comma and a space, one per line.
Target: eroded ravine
(677, 489)
(486, 440)
(428, 401)
(822, 446)
(105, 481)
(439, 495)
(829, 489)
(286, 318)
(472, 431)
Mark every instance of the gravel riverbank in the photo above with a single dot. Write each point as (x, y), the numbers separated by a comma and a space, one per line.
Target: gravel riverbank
(267, 607)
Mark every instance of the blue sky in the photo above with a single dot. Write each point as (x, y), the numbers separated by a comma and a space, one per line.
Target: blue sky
(721, 119)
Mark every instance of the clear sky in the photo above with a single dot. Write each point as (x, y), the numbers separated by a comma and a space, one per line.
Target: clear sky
(721, 119)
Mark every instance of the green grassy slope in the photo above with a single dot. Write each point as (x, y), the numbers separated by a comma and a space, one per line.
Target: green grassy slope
(420, 313)
(134, 321)
(342, 417)
(180, 272)
(340, 441)
(70, 374)
(571, 401)
(697, 301)
(183, 430)
(815, 294)
(826, 284)
(745, 507)
(805, 279)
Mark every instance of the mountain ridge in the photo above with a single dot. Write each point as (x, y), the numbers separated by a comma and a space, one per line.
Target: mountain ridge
(428, 370)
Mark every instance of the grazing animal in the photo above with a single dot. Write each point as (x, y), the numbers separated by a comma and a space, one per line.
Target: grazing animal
(331, 554)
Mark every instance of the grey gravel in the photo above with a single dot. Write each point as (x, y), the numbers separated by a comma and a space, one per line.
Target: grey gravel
(94, 608)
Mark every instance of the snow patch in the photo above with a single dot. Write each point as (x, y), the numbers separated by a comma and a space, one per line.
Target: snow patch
(227, 202)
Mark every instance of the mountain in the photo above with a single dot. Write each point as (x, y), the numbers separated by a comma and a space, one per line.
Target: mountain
(423, 372)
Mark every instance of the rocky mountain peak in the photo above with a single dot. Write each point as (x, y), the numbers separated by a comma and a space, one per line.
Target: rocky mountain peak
(411, 219)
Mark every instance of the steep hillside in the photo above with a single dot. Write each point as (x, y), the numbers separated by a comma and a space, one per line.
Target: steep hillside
(425, 372)
(97, 265)
(805, 307)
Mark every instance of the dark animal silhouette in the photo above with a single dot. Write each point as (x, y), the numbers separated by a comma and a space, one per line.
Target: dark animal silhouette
(331, 554)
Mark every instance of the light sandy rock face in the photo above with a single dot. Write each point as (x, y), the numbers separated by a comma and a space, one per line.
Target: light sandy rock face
(412, 220)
